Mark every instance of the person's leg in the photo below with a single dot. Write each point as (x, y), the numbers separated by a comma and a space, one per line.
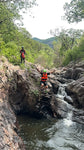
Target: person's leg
(42, 84)
(21, 59)
(24, 60)
(46, 86)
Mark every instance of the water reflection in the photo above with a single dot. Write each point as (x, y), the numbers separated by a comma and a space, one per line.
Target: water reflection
(51, 135)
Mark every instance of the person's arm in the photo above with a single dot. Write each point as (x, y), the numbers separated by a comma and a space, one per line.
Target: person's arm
(38, 70)
(52, 71)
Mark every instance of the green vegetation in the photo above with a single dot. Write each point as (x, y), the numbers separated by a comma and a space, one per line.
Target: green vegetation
(69, 46)
(13, 37)
(75, 54)
(35, 92)
(74, 11)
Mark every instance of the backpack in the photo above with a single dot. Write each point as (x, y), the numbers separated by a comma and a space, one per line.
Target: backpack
(23, 56)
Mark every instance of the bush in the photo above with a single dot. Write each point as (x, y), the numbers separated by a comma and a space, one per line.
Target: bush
(11, 52)
(77, 53)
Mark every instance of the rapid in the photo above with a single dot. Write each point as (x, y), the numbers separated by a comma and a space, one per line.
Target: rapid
(52, 134)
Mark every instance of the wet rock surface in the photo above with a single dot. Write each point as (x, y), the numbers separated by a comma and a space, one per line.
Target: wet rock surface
(76, 91)
(76, 88)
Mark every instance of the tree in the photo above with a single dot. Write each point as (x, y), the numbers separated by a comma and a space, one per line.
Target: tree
(57, 57)
(5, 14)
(74, 11)
(15, 7)
(76, 53)
(20, 4)
(67, 37)
(25, 33)
(9, 12)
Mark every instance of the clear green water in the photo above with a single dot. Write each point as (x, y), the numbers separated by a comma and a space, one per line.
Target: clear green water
(51, 134)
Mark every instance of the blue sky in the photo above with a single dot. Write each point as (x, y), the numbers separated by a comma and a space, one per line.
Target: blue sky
(46, 16)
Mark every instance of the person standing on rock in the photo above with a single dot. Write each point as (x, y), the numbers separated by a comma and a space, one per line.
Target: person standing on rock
(22, 51)
(44, 77)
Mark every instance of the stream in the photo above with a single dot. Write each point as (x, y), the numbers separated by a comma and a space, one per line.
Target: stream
(52, 134)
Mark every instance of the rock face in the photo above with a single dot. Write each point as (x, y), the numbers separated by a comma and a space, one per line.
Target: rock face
(25, 95)
(76, 91)
(76, 88)
(20, 93)
(9, 139)
(75, 71)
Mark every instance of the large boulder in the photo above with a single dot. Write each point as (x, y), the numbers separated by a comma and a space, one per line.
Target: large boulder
(69, 73)
(76, 90)
(26, 96)
(23, 92)
(75, 72)
(59, 107)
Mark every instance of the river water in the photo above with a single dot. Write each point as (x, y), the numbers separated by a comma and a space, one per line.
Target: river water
(51, 134)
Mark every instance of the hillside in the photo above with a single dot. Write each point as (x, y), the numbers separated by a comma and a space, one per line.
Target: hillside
(48, 41)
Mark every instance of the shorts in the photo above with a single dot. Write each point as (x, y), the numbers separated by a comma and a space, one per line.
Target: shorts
(42, 82)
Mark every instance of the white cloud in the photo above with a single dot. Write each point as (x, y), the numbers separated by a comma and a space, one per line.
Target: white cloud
(47, 15)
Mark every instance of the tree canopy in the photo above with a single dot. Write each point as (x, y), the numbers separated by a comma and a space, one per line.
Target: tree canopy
(74, 11)
(19, 3)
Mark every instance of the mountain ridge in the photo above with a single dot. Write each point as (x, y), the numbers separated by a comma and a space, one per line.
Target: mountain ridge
(48, 41)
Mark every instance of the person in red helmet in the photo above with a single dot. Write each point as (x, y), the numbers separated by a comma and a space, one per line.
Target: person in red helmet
(22, 51)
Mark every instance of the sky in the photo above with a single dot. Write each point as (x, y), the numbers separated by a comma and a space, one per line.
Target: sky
(47, 16)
